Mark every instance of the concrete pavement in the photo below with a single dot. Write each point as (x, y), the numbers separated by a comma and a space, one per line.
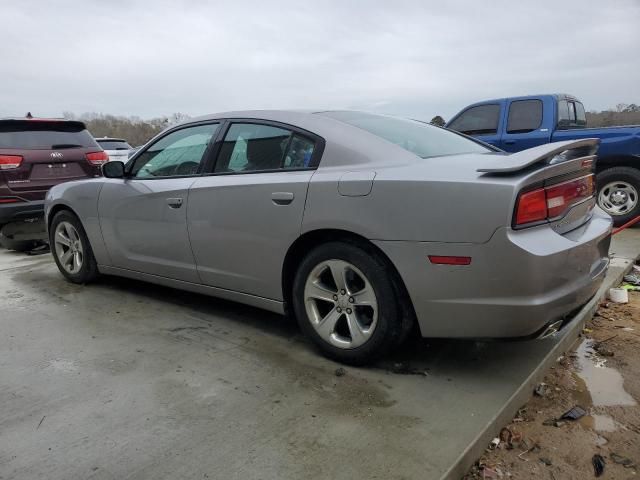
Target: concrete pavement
(123, 379)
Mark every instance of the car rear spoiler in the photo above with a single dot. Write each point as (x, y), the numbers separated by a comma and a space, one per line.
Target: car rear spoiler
(549, 153)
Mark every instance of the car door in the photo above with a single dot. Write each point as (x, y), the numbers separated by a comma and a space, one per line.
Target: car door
(244, 215)
(480, 121)
(144, 216)
(524, 126)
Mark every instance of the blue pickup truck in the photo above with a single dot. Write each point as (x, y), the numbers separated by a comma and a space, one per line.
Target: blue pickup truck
(518, 123)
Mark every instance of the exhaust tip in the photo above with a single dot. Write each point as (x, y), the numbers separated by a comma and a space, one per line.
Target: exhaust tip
(551, 329)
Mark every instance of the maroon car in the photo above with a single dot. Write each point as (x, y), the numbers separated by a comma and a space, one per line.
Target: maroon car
(36, 154)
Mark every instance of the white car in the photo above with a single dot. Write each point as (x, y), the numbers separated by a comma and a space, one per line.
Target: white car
(116, 148)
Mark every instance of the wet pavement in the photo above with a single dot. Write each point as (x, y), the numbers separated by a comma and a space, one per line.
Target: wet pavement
(123, 379)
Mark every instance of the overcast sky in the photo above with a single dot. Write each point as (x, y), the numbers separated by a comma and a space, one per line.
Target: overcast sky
(413, 58)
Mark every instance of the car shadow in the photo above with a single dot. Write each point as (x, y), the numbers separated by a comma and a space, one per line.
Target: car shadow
(418, 356)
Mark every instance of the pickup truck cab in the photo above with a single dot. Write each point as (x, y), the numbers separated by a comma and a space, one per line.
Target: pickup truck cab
(517, 123)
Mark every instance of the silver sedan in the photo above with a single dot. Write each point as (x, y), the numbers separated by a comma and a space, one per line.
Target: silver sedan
(366, 227)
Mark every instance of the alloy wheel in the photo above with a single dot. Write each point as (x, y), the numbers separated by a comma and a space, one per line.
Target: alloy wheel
(68, 247)
(341, 304)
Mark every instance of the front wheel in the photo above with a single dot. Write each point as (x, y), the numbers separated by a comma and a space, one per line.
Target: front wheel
(344, 300)
(71, 248)
(618, 193)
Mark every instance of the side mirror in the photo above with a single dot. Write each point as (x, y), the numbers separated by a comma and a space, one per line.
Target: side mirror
(114, 169)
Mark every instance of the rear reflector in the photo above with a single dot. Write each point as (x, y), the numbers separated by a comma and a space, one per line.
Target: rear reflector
(8, 162)
(97, 158)
(551, 202)
(10, 200)
(448, 260)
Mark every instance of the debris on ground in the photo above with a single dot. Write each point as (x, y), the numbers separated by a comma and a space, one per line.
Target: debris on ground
(340, 372)
(541, 389)
(598, 464)
(633, 279)
(588, 404)
(618, 295)
(574, 414)
(41, 249)
(404, 368)
(620, 460)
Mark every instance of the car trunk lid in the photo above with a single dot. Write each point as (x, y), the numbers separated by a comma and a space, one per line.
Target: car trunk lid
(557, 185)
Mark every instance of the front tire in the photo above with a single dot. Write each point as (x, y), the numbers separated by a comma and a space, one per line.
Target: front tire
(619, 192)
(71, 248)
(345, 302)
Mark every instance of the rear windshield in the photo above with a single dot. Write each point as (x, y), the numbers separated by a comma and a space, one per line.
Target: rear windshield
(420, 138)
(114, 145)
(44, 135)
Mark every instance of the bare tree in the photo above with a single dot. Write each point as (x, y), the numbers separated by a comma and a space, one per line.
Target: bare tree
(438, 121)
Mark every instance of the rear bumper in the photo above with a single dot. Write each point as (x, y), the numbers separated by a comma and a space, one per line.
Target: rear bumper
(518, 282)
(13, 212)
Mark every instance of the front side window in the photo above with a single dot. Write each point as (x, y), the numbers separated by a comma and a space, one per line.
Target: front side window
(478, 120)
(524, 116)
(422, 139)
(179, 153)
(252, 147)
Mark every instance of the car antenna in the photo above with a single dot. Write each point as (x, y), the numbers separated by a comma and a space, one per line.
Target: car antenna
(28, 115)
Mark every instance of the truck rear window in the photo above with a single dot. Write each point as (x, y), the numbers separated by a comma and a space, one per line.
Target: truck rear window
(44, 135)
(420, 138)
(114, 145)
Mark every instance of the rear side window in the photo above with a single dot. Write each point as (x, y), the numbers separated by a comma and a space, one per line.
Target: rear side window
(478, 120)
(40, 135)
(252, 147)
(114, 145)
(524, 116)
(571, 115)
(419, 138)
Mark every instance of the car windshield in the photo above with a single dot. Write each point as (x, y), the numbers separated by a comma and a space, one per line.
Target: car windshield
(44, 135)
(420, 138)
(114, 145)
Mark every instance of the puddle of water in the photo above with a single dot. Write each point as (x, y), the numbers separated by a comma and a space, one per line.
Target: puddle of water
(605, 384)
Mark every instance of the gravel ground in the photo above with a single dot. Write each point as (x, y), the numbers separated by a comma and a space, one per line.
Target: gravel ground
(602, 377)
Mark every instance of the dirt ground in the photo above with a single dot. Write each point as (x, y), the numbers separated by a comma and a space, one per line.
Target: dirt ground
(602, 376)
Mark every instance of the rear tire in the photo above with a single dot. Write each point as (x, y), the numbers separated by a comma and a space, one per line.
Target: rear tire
(356, 321)
(17, 245)
(619, 193)
(71, 248)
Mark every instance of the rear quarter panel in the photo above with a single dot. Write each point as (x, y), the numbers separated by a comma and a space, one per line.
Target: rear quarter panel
(442, 200)
(81, 197)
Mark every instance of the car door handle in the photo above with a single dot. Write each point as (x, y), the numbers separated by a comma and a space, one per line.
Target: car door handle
(282, 198)
(509, 142)
(174, 202)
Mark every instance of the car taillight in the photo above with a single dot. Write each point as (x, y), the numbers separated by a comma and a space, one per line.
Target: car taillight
(532, 207)
(97, 158)
(551, 202)
(8, 162)
(562, 196)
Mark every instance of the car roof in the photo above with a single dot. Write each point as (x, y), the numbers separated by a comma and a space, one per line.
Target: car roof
(557, 96)
(44, 121)
(340, 137)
